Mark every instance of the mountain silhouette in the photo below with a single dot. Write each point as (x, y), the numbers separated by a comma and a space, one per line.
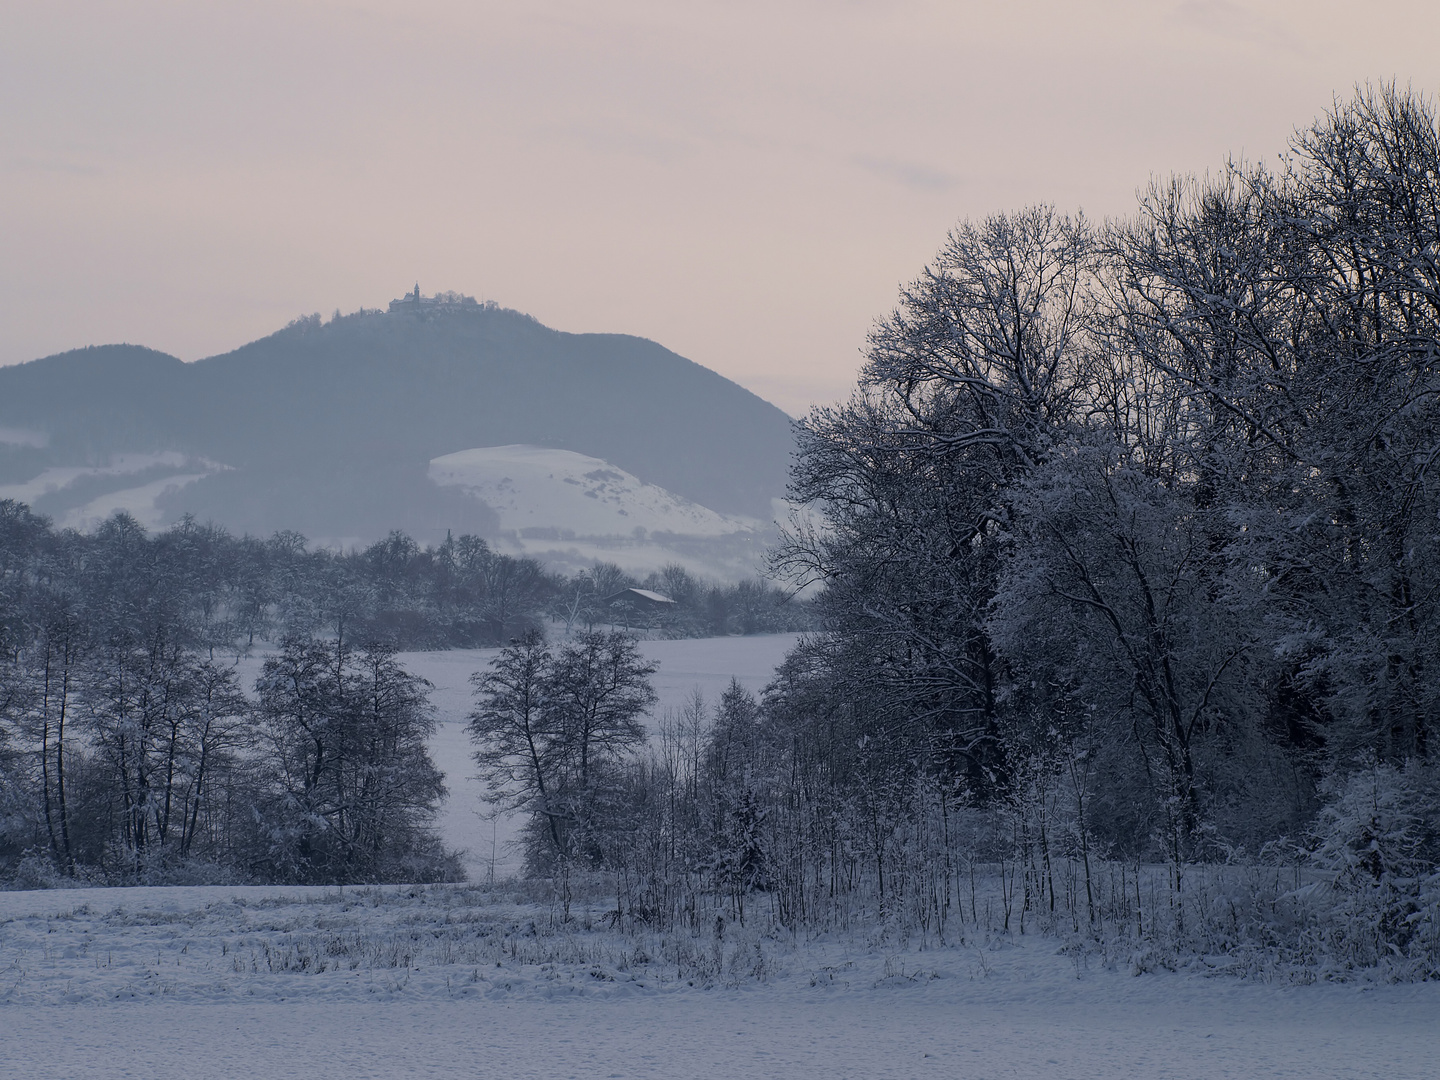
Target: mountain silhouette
(328, 428)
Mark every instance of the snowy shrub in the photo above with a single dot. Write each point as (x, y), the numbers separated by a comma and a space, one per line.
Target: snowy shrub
(1377, 835)
(35, 872)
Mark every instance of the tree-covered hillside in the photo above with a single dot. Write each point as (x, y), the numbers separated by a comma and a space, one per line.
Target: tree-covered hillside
(328, 426)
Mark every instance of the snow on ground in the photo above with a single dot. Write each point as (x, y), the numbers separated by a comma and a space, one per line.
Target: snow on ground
(570, 510)
(537, 487)
(459, 981)
(686, 665)
(452, 981)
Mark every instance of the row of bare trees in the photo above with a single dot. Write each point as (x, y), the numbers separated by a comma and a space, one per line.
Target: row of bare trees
(553, 729)
(1156, 495)
(129, 750)
(1128, 553)
(144, 761)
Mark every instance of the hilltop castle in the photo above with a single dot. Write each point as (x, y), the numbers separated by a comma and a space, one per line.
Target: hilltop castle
(412, 302)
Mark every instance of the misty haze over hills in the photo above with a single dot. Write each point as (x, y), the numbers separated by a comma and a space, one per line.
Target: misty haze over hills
(330, 429)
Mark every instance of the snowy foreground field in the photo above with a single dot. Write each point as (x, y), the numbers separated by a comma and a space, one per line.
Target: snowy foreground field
(468, 981)
(458, 981)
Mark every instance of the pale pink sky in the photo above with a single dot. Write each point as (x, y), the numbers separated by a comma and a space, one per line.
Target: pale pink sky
(747, 183)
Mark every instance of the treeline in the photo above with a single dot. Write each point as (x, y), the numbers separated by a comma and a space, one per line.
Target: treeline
(234, 592)
(1154, 500)
(1128, 542)
(129, 751)
(780, 814)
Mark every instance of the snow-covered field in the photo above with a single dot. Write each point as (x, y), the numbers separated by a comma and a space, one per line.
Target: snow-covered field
(570, 510)
(452, 981)
(536, 486)
(469, 981)
(465, 981)
(704, 664)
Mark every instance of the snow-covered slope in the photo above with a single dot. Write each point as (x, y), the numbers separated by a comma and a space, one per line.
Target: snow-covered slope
(569, 510)
(535, 487)
(82, 496)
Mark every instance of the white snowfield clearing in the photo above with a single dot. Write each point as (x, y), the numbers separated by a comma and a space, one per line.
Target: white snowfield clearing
(455, 981)
(533, 487)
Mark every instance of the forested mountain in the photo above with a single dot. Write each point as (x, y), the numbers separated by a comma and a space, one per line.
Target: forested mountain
(328, 428)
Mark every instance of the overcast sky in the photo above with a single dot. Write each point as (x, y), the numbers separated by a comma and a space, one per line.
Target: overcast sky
(746, 183)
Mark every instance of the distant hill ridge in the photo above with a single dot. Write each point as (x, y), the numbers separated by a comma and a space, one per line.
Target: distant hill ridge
(329, 427)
